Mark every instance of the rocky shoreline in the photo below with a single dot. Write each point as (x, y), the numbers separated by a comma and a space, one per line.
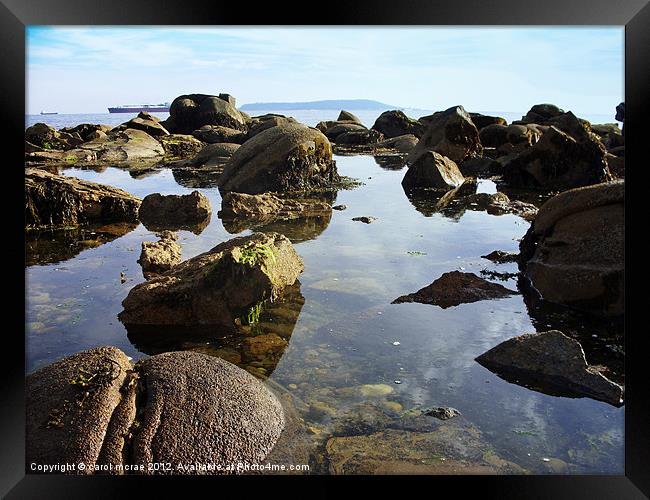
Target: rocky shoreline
(97, 407)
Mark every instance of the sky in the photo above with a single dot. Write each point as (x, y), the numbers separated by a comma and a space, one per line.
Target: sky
(87, 69)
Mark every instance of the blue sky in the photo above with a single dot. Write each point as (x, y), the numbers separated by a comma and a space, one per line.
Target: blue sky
(87, 69)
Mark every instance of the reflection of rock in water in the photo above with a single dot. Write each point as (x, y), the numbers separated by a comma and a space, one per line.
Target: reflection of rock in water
(196, 178)
(256, 347)
(294, 226)
(602, 339)
(429, 202)
(194, 228)
(48, 247)
(390, 162)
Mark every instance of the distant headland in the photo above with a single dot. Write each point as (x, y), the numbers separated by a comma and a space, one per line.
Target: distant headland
(350, 104)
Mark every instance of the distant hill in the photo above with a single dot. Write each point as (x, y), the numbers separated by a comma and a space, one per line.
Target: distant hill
(347, 104)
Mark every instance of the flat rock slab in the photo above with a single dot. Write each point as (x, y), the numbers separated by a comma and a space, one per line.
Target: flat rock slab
(268, 207)
(455, 288)
(551, 362)
(179, 408)
(54, 200)
(218, 286)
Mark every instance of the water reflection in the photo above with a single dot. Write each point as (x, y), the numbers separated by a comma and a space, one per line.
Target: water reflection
(196, 178)
(257, 347)
(158, 226)
(52, 246)
(448, 203)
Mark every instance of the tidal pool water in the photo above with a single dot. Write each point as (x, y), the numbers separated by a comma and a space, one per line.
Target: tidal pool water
(336, 343)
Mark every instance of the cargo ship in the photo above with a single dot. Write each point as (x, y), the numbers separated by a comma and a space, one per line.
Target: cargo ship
(136, 108)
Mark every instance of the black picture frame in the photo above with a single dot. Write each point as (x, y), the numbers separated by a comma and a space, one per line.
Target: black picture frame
(15, 15)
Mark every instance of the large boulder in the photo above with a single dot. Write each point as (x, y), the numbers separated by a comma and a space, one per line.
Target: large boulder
(348, 117)
(198, 410)
(339, 128)
(264, 122)
(552, 361)
(359, 138)
(174, 211)
(288, 157)
(218, 286)
(482, 121)
(190, 112)
(53, 200)
(432, 170)
(559, 162)
(396, 123)
(493, 136)
(539, 113)
(450, 133)
(573, 253)
(401, 143)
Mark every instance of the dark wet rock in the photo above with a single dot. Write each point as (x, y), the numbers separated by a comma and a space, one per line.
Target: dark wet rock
(212, 156)
(174, 211)
(87, 131)
(616, 165)
(178, 146)
(359, 137)
(339, 128)
(450, 133)
(401, 143)
(218, 286)
(157, 257)
(551, 359)
(261, 123)
(215, 133)
(339, 207)
(289, 157)
(53, 200)
(190, 112)
(474, 167)
(501, 257)
(609, 134)
(482, 121)
(450, 449)
(442, 412)
(52, 246)
(449, 203)
(267, 207)
(147, 123)
(500, 204)
(95, 408)
(520, 134)
(455, 288)
(573, 253)
(432, 170)
(47, 137)
(539, 113)
(396, 123)
(365, 219)
(573, 126)
(347, 116)
(494, 135)
(558, 161)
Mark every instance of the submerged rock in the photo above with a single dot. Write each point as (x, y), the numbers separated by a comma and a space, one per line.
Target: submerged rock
(188, 113)
(366, 219)
(558, 161)
(396, 123)
(159, 256)
(450, 449)
(96, 408)
(53, 200)
(450, 133)
(218, 286)
(553, 360)
(288, 157)
(500, 204)
(442, 412)
(573, 253)
(173, 212)
(432, 170)
(455, 288)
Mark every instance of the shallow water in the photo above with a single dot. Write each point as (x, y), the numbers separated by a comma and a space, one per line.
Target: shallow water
(338, 326)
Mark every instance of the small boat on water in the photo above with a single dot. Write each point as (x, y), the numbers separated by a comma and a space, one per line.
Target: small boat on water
(49, 113)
